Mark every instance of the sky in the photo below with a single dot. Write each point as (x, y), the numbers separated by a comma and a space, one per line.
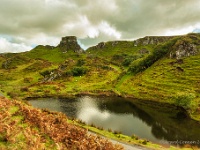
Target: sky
(27, 23)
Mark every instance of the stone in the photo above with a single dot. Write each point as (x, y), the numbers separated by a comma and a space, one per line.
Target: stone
(69, 43)
(184, 49)
(114, 43)
(101, 45)
(152, 40)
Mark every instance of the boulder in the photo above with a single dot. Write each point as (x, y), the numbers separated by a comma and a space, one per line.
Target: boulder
(184, 49)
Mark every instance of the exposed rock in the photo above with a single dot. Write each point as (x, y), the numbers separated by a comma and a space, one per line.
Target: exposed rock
(69, 43)
(184, 49)
(52, 75)
(101, 45)
(114, 43)
(152, 40)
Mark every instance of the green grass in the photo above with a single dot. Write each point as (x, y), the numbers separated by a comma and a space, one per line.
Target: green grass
(53, 55)
(123, 138)
(160, 80)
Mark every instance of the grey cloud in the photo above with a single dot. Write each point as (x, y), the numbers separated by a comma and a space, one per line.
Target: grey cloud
(25, 20)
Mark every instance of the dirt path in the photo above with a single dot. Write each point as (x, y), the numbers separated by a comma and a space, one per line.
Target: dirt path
(129, 146)
(125, 145)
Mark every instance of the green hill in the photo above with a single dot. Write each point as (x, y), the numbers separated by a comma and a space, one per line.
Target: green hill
(163, 69)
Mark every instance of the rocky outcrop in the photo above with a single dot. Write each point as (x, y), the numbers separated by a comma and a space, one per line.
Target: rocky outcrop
(152, 40)
(184, 49)
(101, 45)
(69, 43)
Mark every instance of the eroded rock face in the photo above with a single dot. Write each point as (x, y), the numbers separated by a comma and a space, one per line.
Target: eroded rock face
(184, 49)
(69, 43)
(152, 40)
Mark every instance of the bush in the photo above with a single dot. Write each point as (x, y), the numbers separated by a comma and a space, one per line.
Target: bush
(128, 60)
(184, 100)
(159, 52)
(78, 71)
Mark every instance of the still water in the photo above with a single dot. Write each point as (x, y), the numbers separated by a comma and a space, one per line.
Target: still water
(154, 122)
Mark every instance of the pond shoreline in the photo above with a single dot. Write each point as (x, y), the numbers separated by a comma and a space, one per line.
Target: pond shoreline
(130, 98)
(162, 111)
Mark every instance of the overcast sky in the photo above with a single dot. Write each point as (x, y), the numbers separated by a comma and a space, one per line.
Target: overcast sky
(27, 23)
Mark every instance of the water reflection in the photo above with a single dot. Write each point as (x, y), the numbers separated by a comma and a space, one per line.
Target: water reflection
(149, 121)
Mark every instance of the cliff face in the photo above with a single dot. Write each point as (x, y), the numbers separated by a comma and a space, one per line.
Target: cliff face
(154, 40)
(186, 46)
(69, 43)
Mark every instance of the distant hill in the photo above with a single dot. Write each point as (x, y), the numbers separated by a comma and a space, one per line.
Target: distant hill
(158, 68)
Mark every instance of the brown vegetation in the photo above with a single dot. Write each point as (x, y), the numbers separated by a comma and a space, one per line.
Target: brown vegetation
(24, 127)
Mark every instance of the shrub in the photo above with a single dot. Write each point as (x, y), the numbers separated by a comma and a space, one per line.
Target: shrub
(184, 100)
(78, 71)
(128, 60)
(159, 52)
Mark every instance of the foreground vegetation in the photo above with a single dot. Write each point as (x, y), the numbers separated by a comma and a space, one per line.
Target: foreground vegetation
(23, 127)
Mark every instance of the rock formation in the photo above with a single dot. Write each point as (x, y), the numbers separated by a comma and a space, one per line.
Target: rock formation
(184, 49)
(69, 43)
(152, 40)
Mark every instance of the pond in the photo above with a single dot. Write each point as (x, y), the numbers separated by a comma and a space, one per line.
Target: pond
(152, 121)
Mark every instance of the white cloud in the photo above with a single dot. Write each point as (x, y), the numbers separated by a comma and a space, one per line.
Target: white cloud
(6, 46)
(108, 30)
(181, 31)
(43, 39)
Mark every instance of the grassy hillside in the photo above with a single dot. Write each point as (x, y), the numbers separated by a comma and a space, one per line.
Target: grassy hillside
(162, 69)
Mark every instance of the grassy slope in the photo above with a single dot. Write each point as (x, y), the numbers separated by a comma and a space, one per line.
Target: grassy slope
(50, 54)
(162, 81)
